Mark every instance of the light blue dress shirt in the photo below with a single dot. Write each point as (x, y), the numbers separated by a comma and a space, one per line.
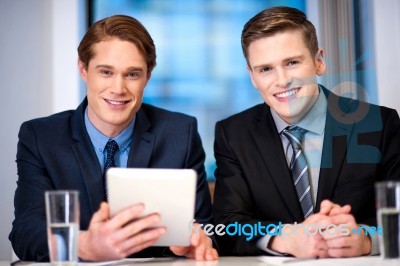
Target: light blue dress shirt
(99, 141)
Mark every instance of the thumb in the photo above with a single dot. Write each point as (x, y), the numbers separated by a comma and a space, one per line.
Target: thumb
(195, 239)
(102, 214)
(326, 207)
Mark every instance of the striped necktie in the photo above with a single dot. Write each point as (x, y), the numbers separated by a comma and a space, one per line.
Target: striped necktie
(111, 148)
(299, 169)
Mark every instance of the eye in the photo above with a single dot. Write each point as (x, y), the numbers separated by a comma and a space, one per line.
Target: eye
(265, 69)
(133, 75)
(105, 72)
(293, 62)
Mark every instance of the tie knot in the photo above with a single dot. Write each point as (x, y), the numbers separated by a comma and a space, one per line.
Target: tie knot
(111, 147)
(295, 135)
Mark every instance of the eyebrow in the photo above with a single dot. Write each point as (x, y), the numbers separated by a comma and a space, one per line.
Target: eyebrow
(140, 69)
(295, 57)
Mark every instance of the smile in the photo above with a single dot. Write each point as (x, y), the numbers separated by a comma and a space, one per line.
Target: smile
(287, 93)
(116, 102)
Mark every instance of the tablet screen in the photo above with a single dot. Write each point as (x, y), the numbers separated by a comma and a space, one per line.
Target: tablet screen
(170, 192)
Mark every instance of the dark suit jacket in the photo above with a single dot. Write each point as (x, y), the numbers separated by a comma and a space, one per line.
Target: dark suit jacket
(56, 153)
(253, 182)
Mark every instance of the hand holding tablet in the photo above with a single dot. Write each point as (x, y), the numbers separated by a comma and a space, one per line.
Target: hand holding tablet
(169, 192)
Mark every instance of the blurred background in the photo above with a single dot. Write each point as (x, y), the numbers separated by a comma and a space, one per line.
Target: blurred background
(200, 68)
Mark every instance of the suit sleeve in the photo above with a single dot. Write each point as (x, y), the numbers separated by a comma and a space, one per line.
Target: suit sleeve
(28, 235)
(233, 201)
(391, 146)
(195, 160)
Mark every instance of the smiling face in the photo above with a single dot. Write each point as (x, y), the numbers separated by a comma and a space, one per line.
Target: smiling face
(282, 68)
(115, 78)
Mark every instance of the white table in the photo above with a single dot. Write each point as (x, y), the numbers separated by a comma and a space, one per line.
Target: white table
(240, 261)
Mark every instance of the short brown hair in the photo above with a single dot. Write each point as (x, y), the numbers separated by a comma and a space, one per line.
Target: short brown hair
(278, 19)
(122, 27)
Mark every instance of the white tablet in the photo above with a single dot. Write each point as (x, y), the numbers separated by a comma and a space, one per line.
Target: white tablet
(170, 192)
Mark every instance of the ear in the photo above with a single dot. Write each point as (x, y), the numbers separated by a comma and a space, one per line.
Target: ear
(250, 71)
(320, 65)
(82, 70)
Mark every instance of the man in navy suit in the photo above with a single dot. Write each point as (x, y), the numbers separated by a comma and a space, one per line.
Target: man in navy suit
(67, 151)
(269, 174)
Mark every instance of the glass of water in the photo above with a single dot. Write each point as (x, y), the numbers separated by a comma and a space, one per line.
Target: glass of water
(388, 212)
(62, 213)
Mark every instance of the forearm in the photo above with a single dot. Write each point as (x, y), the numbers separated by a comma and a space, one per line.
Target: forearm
(28, 239)
(28, 235)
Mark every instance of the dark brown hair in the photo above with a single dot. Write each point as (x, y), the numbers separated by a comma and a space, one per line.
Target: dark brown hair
(275, 20)
(124, 28)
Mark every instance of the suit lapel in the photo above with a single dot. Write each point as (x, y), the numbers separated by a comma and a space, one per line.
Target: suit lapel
(269, 145)
(87, 159)
(338, 131)
(142, 143)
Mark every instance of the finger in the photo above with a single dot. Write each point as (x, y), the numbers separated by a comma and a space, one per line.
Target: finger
(339, 242)
(330, 208)
(125, 216)
(341, 252)
(326, 206)
(140, 247)
(142, 239)
(322, 254)
(337, 231)
(102, 214)
(346, 219)
(321, 245)
(314, 218)
(137, 226)
(200, 252)
(180, 251)
(342, 210)
(211, 254)
(195, 238)
(204, 247)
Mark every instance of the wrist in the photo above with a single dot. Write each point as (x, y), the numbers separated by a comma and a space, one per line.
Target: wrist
(367, 245)
(277, 243)
(83, 253)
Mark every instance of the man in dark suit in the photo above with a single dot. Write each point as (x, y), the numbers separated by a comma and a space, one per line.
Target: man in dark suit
(67, 151)
(304, 156)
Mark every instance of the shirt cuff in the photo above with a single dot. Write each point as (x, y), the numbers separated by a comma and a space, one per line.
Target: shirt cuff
(262, 244)
(374, 242)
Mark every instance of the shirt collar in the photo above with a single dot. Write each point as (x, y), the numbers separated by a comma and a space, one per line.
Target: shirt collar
(313, 121)
(99, 140)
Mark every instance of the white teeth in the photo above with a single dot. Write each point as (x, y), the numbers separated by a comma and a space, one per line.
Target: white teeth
(115, 102)
(287, 93)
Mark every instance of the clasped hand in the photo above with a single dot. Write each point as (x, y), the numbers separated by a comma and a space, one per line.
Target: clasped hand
(129, 232)
(332, 243)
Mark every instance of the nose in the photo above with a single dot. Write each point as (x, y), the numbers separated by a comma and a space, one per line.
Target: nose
(119, 85)
(283, 79)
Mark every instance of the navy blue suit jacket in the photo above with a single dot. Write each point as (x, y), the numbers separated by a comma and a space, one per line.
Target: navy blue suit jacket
(253, 182)
(55, 152)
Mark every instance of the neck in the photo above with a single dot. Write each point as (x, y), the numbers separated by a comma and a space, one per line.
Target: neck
(107, 129)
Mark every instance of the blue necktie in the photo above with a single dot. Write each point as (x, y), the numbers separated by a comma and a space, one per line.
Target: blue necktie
(299, 169)
(111, 148)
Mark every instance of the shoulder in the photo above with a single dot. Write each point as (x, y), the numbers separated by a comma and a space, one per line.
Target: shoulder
(52, 122)
(160, 116)
(348, 111)
(47, 132)
(245, 117)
